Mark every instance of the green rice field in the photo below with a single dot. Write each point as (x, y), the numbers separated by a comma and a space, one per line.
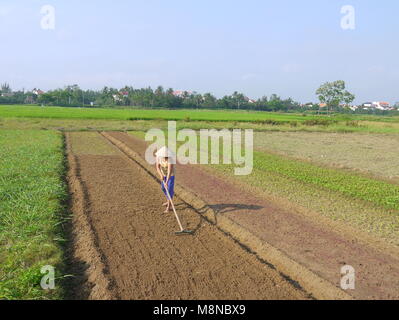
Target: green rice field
(145, 114)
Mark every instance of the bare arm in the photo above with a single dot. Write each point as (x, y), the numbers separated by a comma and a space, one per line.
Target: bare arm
(170, 170)
(158, 166)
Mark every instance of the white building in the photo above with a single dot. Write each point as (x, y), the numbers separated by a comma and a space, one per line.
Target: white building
(37, 92)
(117, 97)
(181, 93)
(367, 105)
(353, 108)
(381, 105)
(377, 105)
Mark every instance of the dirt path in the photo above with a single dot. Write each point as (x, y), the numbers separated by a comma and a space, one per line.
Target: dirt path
(136, 254)
(317, 246)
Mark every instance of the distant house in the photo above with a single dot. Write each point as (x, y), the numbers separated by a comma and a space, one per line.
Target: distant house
(377, 105)
(7, 94)
(323, 105)
(37, 92)
(308, 105)
(181, 94)
(367, 105)
(120, 96)
(381, 105)
(354, 108)
(117, 97)
(252, 101)
(178, 93)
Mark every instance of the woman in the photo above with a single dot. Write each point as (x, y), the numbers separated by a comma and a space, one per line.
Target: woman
(166, 172)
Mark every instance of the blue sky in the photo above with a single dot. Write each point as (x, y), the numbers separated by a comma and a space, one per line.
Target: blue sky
(254, 46)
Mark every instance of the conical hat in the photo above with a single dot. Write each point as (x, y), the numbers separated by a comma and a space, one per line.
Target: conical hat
(164, 152)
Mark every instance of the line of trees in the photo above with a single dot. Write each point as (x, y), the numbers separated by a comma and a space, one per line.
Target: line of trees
(333, 94)
(74, 96)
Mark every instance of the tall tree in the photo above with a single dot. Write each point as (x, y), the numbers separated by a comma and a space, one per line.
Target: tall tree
(333, 94)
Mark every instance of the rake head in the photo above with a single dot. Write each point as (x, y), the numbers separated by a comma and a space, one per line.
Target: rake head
(184, 233)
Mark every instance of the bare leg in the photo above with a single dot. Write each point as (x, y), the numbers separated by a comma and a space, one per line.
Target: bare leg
(168, 207)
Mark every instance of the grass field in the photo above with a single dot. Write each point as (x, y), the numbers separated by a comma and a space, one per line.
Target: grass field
(31, 195)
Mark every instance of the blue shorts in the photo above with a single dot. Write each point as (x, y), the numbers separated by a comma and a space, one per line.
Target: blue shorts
(171, 187)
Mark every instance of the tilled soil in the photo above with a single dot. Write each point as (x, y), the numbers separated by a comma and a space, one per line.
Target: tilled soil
(135, 248)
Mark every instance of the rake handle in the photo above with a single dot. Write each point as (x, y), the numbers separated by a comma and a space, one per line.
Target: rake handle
(173, 206)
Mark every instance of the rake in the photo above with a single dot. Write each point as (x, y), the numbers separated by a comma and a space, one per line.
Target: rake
(182, 230)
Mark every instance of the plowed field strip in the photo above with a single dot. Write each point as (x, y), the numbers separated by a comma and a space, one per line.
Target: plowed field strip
(144, 257)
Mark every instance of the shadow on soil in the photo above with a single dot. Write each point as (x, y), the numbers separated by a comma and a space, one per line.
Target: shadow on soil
(227, 208)
(75, 282)
(217, 209)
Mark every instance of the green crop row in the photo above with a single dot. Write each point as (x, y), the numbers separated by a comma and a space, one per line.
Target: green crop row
(353, 185)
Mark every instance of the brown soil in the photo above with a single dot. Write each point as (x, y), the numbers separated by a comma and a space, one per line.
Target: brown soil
(318, 247)
(125, 248)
